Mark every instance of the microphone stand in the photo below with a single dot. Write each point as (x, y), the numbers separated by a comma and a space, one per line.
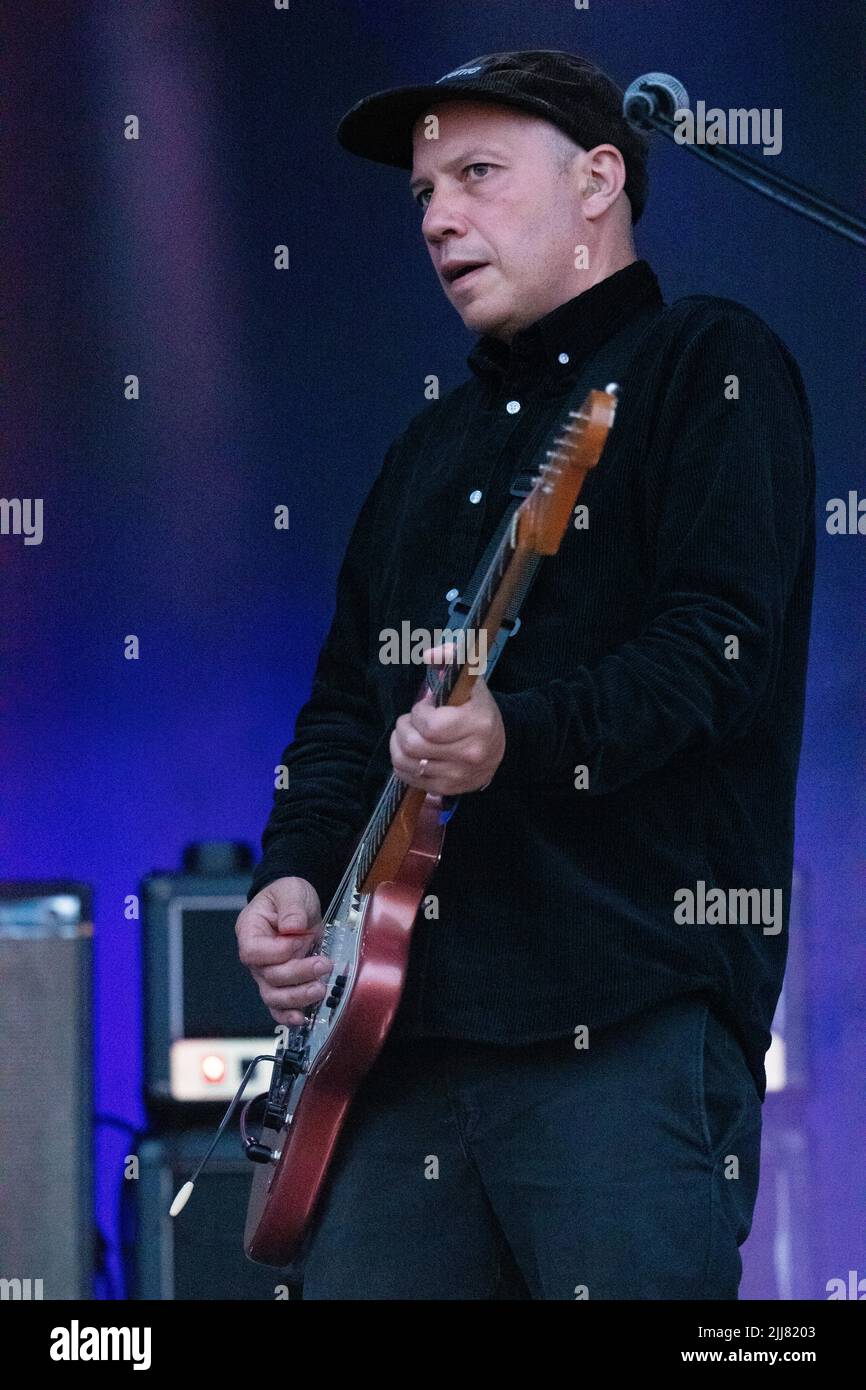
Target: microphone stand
(779, 187)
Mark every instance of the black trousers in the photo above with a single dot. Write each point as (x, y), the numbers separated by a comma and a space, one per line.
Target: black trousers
(626, 1170)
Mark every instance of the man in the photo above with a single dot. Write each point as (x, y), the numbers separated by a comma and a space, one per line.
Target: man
(568, 1104)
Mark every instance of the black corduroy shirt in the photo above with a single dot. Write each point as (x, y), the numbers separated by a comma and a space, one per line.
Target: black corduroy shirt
(652, 699)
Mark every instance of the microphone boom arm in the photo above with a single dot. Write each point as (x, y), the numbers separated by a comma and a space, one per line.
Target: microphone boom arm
(652, 102)
(779, 187)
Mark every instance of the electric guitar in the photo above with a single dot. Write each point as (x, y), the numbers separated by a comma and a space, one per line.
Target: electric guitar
(320, 1064)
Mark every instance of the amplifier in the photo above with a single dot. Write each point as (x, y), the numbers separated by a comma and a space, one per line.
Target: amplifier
(200, 1256)
(47, 1243)
(204, 1019)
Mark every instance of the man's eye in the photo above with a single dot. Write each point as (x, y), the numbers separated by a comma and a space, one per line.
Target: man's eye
(422, 197)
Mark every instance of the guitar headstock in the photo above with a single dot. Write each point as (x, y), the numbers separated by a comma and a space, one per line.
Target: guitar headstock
(542, 519)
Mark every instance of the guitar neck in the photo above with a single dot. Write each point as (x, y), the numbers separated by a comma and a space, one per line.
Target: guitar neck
(390, 827)
(536, 529)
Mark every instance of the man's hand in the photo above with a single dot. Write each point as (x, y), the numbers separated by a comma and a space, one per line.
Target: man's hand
(274, 933)
(463, 744)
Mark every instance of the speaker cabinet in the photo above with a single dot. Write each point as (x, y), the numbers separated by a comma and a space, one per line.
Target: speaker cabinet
(204, 1019)
(46, 1230)
(199, 1254)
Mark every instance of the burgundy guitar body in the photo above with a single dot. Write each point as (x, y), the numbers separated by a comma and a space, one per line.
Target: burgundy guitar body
(284, 1195)
(367, 928)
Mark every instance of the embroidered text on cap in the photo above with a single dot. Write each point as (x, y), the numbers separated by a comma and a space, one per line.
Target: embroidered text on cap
(459, 72)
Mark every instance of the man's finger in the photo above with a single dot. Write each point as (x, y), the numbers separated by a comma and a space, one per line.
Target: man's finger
(439, 656)
(259, 951)
(301, 971)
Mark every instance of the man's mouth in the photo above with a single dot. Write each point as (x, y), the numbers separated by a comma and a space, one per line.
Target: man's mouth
(459, 269)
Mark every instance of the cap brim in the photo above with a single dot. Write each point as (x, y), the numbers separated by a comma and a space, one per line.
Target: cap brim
(380, 126)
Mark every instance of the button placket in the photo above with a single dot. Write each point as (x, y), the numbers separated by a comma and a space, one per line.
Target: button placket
(485, 444)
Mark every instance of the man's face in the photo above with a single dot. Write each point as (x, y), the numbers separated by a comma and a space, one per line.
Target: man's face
(493, 192)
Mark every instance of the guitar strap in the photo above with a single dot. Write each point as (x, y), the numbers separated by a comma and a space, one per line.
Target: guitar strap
(608, 364)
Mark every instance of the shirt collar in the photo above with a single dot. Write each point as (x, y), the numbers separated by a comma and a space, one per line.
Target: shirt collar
(562, 338)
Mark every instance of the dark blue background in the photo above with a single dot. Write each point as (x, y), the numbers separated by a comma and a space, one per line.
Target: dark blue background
(259, 388)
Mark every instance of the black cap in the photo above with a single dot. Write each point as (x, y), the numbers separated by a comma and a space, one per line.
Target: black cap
(568, 91)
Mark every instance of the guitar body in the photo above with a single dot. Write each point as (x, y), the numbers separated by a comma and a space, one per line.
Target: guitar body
(367, 937)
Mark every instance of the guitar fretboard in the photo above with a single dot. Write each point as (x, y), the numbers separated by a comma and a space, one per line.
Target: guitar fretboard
(440, 681)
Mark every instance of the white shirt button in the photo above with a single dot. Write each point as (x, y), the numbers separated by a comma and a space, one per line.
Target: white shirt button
(452, 594)
(513, 407)
(563, 358)
(475, 496)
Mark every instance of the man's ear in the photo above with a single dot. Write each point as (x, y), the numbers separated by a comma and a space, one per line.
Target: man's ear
(606, 178)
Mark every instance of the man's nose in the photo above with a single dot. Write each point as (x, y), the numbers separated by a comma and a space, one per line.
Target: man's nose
(443, 216)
